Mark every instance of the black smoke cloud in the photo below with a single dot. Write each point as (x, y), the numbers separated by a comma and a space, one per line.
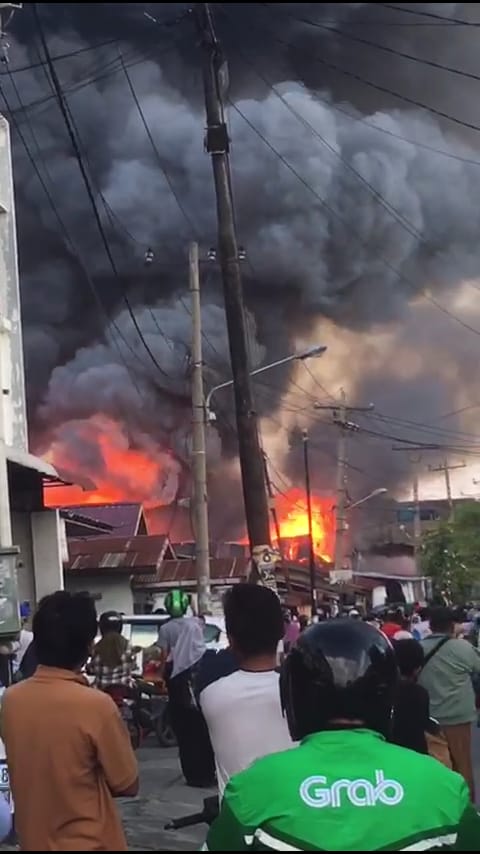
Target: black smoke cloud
(331, 253)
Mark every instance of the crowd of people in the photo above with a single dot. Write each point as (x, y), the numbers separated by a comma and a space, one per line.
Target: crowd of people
(341, 734)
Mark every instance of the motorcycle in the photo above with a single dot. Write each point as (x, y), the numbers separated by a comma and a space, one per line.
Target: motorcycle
(153, 717)
(125, 703)
(144, 711)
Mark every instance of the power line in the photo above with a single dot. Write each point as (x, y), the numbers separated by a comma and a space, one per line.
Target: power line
(377, 195)
(60, 56)
(192, 227)
(375, 22)
(70, 125)
(390, 50)
(64, 229)
(337, 216)
(428, 428)
(378, 86)
(448, 19)
(317, 381)
(362, 120)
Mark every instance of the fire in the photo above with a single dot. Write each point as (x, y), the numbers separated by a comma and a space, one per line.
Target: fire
(292, 516)
(97, 453)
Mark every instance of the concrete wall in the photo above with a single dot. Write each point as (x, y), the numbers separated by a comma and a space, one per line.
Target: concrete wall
(12, 379)
(114, 591)
(47, 552)
(22, 537)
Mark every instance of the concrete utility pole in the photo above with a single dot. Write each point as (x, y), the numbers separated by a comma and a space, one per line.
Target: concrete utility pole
(446, 468)
(217, 145)
(271, 501)
(311, 547)
(340, 412)
(199, 459)
(417, 522)
(415, 460)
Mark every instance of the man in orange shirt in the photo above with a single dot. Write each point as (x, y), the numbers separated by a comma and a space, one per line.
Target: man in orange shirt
(68, 751)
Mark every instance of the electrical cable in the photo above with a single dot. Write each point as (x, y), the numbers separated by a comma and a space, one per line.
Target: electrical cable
(427, 296)
(192, 227)
(375, 22)
(397, 215)
(317, 381)
(389, 50)
(66, 233)
(60, 56)
(428, 428)
(449, 19)
(358, 118)
(378, 86)
(70, 125)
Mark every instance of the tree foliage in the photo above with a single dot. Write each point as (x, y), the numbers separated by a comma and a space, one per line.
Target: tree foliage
(451, 555)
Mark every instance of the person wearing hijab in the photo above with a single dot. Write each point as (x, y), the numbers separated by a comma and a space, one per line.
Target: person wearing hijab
(194, 747)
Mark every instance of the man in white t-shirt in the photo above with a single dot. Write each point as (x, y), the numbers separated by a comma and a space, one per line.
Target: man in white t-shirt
(242, 709)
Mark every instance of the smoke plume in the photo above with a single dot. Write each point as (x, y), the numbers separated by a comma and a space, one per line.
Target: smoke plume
(346, 220)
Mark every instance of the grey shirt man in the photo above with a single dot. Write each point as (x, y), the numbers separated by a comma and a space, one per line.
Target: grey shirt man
(169, 633)
(448, 679)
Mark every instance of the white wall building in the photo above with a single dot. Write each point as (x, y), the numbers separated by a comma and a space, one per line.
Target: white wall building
(24, 520)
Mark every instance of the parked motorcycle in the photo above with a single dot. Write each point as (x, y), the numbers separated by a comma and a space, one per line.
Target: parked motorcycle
(153, 717)
(126, 704)
(144, 711)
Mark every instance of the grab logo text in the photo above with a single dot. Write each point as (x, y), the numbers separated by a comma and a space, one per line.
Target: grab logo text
(316, 792)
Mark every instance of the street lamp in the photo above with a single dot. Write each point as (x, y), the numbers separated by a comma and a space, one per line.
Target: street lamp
(343, 575)
(309, 353)
(380, 491)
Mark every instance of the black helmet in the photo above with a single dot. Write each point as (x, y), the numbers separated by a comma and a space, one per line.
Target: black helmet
(110, 621)
(338, 670)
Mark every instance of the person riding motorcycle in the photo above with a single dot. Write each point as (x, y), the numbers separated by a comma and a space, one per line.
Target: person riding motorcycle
(113, 660)
(344, 788)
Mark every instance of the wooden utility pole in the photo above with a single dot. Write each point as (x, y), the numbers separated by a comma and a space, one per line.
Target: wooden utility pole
(340, 411)
(446, 468)
(217, 145)
(199, 459)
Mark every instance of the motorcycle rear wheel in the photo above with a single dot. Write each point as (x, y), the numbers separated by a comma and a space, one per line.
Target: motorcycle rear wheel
(164, 731)
(135, 734)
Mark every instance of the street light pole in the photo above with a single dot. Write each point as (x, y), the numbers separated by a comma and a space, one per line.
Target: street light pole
(311, 547)
(310, 353)
(380, 491)
(340, 411)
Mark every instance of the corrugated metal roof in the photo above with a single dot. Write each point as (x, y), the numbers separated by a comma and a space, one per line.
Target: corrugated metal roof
(225, 570)
(142, 554)
(182, 571)
(124, 519)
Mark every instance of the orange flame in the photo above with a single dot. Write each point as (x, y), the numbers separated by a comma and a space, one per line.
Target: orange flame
(292, 516)
(115, 471)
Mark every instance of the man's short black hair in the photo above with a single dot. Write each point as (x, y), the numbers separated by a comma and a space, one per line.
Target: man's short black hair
(253, 619)
(64, 627)
(441, 619)
(410, 655)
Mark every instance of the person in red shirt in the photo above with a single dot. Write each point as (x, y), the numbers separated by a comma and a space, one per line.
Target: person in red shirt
(392, 624)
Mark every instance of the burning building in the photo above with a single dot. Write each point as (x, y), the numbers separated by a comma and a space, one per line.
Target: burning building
(358, 208)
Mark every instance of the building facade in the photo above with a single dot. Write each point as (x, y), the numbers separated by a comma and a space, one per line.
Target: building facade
(25, 523)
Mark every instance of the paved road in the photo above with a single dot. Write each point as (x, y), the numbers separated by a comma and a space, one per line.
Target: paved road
(163, 795)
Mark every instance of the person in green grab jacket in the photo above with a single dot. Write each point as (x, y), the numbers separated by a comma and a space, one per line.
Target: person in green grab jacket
(344, 788)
